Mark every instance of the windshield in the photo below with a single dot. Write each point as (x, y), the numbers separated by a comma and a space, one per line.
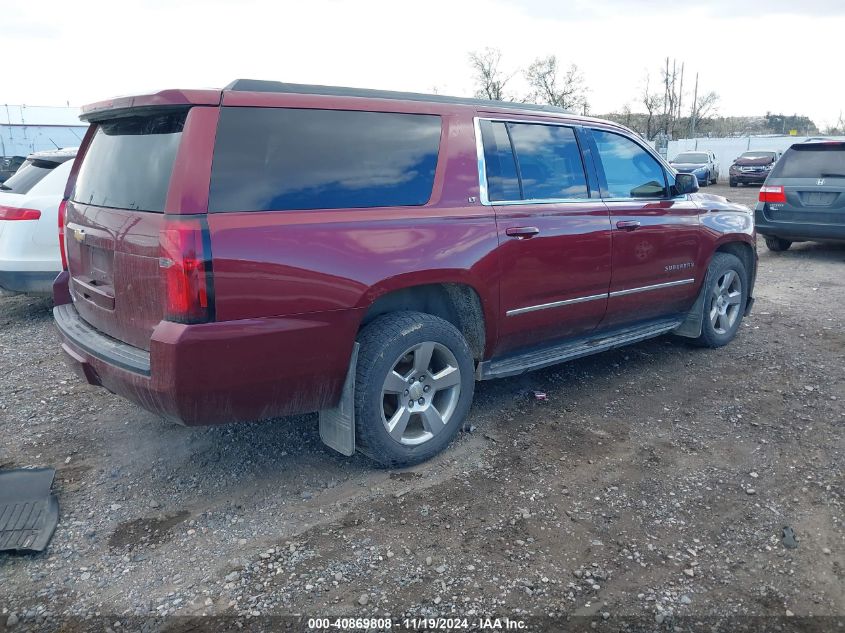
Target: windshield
(690, 157)
(812, 161)
(29, 174)
(758, 155)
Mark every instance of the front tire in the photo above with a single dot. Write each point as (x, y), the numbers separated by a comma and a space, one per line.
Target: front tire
(414, 387)
(777, 244)
(725, 298)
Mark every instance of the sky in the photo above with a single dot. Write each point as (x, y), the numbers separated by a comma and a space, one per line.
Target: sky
(769, 55)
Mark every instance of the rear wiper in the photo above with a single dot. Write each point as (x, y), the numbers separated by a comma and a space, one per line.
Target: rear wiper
(4, 187)
(833, 175)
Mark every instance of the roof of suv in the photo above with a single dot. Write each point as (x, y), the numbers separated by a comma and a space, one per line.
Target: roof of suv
(178, 97)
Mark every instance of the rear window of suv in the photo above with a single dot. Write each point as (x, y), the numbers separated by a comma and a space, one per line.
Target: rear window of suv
(269, 159)
(28, 175)
(129, 162)
(812, 161)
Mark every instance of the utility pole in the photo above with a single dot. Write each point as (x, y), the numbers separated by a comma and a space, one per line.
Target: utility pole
(693, 112)
(681, 91)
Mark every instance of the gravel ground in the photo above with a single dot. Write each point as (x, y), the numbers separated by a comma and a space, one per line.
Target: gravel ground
(651, 487)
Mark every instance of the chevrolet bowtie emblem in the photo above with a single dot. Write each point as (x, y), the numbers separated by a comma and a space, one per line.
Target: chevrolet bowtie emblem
(79, 235)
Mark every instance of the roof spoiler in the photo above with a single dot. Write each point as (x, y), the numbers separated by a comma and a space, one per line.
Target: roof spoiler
(166, 99)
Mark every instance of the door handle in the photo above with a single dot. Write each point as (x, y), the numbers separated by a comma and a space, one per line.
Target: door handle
(628, 225)
(522, 232)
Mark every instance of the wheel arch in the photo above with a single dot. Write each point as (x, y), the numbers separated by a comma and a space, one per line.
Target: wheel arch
(459, 303)
(746, 253)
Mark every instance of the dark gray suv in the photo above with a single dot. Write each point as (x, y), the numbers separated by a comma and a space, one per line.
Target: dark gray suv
(803, 199)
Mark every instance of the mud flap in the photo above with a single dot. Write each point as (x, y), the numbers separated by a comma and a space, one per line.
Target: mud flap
(691, 326)
(28, 512)
(337, 425)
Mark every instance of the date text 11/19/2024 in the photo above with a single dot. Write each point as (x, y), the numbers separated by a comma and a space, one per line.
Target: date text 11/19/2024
(416, 624)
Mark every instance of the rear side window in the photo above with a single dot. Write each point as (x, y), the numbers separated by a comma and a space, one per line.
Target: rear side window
(545, 160)
(129, 162)
(630, 171)
(284, 158)
(811, 161)
(28, 175)
(499, 162)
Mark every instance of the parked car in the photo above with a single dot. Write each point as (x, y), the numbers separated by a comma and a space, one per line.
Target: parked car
(30, 257)
(9, 165)
(36, 166)
(702, 164)
(804, 196)
(275, 248)
(752, 167)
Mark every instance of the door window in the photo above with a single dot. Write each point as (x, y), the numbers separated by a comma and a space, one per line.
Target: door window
(530, 161)
(630, 171)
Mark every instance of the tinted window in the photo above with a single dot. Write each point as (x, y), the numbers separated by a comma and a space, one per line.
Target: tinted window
(502, 180)
(811, 161)
(549, 161)
(28, 175)
(691, 158)
(758, 155)
(281, 158)
(630, 171)
(129, 162)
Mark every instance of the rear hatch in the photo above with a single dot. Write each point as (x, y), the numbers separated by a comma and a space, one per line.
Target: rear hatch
(113, 222)
(813, 179)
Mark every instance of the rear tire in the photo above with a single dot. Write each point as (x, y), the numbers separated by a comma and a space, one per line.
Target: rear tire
(714, 180)
(777, 244)
(725, 298)
(414, 387)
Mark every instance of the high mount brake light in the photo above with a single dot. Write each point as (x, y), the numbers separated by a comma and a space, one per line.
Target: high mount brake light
(772, 193)
(185, 262)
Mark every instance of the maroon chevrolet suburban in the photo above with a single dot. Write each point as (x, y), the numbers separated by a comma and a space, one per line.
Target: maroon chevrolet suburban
(271, 249)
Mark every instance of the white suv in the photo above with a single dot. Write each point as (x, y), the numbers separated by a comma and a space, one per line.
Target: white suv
(30, 257)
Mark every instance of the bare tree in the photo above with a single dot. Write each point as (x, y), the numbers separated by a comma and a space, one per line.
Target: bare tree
(564, 89)
(673, 83)
(838, 128)
(702, 107)
(652, 102)
(490, 81)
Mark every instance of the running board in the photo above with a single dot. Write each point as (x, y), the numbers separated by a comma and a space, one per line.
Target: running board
(575, 348)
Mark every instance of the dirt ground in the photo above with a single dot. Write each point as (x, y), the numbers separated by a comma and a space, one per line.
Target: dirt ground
(649, 490)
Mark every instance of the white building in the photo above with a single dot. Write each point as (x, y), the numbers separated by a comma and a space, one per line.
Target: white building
(25, 129)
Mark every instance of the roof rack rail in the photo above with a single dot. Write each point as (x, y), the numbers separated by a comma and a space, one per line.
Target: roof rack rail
(261, 85)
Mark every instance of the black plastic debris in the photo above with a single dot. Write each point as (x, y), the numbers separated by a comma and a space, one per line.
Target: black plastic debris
(789, 540)
(28, 512)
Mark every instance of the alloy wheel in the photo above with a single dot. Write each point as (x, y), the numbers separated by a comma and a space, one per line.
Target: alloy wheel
(725, 302)
(420, 393)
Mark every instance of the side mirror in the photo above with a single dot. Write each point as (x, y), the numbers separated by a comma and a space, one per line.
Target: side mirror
(685, 183)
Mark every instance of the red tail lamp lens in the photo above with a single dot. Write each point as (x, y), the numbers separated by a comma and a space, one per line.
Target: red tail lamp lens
(185, 262)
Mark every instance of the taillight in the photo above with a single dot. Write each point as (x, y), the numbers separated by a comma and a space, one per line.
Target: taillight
(17, 213)
(185, 263)
(772, 193)
(62, 214)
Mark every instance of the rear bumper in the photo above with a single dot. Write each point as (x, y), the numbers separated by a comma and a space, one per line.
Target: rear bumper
(28, 281)
(797, 231)
(215, 373)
